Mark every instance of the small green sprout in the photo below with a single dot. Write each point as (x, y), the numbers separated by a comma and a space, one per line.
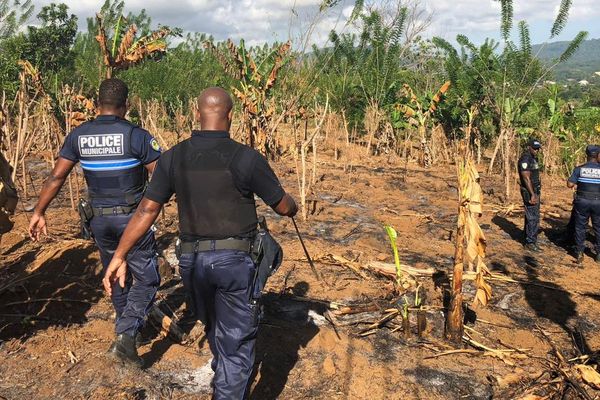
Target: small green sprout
(417, 297)
(393, 236)
(404, 310)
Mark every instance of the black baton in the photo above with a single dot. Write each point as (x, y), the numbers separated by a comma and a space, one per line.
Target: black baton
(312, 265)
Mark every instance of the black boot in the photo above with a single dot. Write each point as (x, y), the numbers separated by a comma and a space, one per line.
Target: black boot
(142, 339)
(124, 349)
(533, 247)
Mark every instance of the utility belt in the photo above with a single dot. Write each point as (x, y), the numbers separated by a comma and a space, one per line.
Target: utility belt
(87, 212)
(211, 245)
(587, 195)
(527, 196)
(263, 249)
(116, 210)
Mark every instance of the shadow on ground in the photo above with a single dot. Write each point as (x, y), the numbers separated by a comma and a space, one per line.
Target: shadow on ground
(545, 298)
(57, 293)
(287, 327)
(509, 227)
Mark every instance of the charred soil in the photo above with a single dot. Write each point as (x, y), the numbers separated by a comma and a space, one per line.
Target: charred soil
(56, 323)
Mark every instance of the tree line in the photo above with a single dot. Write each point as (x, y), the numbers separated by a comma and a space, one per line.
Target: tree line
(378, 72)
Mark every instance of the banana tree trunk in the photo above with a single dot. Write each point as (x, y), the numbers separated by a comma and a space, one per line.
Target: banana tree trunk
(455, 316)
(425, 151)
(509, 136)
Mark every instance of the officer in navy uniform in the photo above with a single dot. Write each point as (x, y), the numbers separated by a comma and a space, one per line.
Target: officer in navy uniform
(116, 157)
(529, 174)
(215, 179)
(587, 201)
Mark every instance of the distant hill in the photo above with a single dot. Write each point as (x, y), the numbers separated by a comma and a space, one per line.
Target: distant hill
(584, 63)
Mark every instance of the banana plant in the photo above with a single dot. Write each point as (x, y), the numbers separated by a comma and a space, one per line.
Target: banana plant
(557, 113)
(256, 75)
(470, 248)
(417, 111)
(124, 50)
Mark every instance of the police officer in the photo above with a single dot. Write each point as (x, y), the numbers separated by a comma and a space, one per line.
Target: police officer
(214, 179)
(8, 196)
(529, 174)
(587, 200)
(116, 157)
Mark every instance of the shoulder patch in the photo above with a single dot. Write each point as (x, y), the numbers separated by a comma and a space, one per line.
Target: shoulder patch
(524, 165)
(154, 144)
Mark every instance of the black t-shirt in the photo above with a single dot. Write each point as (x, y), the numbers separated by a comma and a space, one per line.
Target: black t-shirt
(528, 162)
(251, 171)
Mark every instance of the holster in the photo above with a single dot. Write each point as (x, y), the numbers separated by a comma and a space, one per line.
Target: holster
(86, 213)
(267, 256)
(526, 195)
(178, 249)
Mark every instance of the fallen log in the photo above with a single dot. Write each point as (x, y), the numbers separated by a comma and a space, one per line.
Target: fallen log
(389, 270)
(166, 324)
(354, 319)
(334, 259)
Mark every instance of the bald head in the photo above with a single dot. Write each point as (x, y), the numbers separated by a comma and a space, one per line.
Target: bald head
(214, 109)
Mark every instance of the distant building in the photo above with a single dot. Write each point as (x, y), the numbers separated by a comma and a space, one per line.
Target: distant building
(584, 82)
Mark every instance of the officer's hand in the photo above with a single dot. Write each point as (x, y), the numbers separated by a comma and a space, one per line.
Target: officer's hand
(117, 270)
(534, 199)
(293, 210)
(37, 226)
(286, 207)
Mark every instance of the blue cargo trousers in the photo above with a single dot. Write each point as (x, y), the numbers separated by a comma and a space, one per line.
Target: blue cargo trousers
(220, 285)
(532, 218)
(583, 210)
(133, 302)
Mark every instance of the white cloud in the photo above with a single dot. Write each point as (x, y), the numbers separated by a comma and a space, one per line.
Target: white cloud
(481, 18)
(259, 21)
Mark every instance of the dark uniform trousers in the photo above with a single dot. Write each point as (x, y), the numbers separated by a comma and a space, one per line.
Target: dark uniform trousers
(133, 302)
(532, 217)
(220, 284)
(583, 210)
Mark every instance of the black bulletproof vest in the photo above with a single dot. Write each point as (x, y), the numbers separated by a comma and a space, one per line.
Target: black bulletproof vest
(534, 168)
(209, 204)
(114, 176)
(588, 182)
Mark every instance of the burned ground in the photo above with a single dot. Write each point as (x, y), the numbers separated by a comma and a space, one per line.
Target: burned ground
(56, 323)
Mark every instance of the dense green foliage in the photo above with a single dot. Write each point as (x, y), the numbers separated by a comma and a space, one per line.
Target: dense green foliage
(495, 86)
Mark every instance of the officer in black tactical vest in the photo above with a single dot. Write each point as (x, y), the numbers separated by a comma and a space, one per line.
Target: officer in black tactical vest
(529, 174)
(587, 201)
(214, 179)
(116, 157)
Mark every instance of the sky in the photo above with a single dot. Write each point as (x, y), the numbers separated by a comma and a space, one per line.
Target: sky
(260, 21)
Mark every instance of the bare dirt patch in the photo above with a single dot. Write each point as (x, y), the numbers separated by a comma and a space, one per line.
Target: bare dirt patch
(56, 324)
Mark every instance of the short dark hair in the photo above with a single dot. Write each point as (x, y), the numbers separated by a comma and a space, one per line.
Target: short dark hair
(113, 92)
(592, 150)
